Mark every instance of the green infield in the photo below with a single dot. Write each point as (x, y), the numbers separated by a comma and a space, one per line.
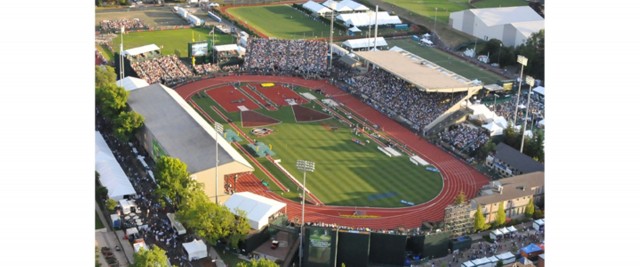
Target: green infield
(346, 173)
(447, 61)
(170, 41)
(281, 21)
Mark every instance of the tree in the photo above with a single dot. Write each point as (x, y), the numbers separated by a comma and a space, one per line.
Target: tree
(533, 49)
(499, 263)
(154, 257)
(479, 223)
(173, 179)
(501, 216)
(484, 151)
(460, 198)
(258, 263)
(111, 100)
(105, 75)
(97, 257)
(241, 228)
(126, 123)
(111, 204)
(528, 211)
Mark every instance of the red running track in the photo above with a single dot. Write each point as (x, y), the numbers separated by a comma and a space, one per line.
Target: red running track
(457, 175)
(230, 98)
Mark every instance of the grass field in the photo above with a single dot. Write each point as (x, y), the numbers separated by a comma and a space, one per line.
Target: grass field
(106, 53)
(427, 8)
(170, 41)
(281, 21)
(346, 173)
(447, 61)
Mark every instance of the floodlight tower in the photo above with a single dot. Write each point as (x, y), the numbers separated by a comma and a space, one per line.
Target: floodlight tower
(530, 82)
(218, 128)
(305, 166)
(523, 61)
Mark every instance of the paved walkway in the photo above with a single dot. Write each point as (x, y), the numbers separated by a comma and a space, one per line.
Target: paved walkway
(107, 238)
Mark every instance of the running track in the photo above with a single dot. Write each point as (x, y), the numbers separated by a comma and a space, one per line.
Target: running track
(457, 175)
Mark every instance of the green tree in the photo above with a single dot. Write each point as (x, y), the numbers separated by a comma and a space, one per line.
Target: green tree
(241, 228)
(154, 257)
(101, 191)
(111, 100)
(484, 151)
(111, 204)
(501, 216)
(533, 49)
(479, 223)
(173, 179)
(126, 123)
(460, 198)
(528, 211)
(97, 257)
(105, 75)
(258, 263)
(499, 263)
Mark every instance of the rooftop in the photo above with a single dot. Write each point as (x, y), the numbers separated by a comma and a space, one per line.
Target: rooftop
(517, 160)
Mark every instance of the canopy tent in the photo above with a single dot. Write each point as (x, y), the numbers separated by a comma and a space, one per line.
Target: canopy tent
(176, 224)
(337, 6)
(504, 230)
(539, 90)
(111, 174)
(258, 208)
(538, 224)
(493, 128)
(195, 249)
(368, 19)
(541, 123)
(530, 249)
(482, 262)
(131, 83)
(494, 260)
(355, 6)
(468, 264)
(512, 229)
(316, 8)
(495, 234)
(365, 43)
(141, 50)
(506, 257)
(354, 29)
(140, 245)
(126, 205)
(501, 121)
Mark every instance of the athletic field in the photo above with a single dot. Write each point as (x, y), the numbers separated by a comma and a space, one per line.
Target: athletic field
(169, 41)
(427, 8)
(281, 21)
(445, 60)
(347, 173)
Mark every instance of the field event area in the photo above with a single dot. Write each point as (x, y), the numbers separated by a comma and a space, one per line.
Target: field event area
(350, 168)
(281, 21)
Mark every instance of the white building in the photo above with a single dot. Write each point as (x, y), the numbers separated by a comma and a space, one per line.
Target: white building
(511, 25)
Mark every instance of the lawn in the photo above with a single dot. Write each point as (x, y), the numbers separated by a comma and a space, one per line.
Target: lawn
(281, 21)
(346, 173)
(447, 61)
(98, 222)
(170, 41)
(106, 53)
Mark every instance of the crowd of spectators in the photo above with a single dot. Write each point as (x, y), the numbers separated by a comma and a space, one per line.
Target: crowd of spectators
(299, 57)
(412, 231)
(507, 108)
(397, 98)
(116, 25)
(162, 69)
(206, 68)
(464, 137)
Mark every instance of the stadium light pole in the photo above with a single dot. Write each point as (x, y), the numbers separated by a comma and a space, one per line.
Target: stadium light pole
(121, 56)
(331, 40)
(304, 166)
(218, 128)
(530, 82)
(523, 61)
(435, 20)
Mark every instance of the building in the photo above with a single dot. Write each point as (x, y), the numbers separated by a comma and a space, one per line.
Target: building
(511, 25)
(514, 193)
(457, 219)
(508, 161)
(173, 128)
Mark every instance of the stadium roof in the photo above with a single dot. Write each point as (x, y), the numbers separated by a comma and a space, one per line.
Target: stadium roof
(506, 15)
(528, 28)
(131, 83)
(315, 7)
(424, 74)
(517, 160)
(258, 208)
(141, 50)
(365, 42)
(368, 18)
(111, 174)
(226, 47)
(180, 130)
(514, 187)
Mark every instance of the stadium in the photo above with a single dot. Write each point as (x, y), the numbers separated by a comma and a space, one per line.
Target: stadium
(264, 104)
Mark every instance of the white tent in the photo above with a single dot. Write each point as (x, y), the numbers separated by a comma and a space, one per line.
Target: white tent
(365, 42)
(493, 128)
(495, 234)
(316, 8)
(539, 90)
(258, 208)
(140, 245)
(482, 262)
(176, 224)
(504, 230)
(355, 6)
(131, 83)
(506, 257)
(111, 174)
(468, 264)
(541, 124)
(368, 18)
(126, 205)
(196, 249)
(501, 121)
(354, 29)
(512, 229)
(337, 6)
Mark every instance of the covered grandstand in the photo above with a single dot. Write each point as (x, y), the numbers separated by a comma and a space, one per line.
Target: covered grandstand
(425, 75)
(111, 174)
(174, 128)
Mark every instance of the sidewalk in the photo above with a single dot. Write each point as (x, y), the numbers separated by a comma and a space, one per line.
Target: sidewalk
(214, 255)
(107, 238)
